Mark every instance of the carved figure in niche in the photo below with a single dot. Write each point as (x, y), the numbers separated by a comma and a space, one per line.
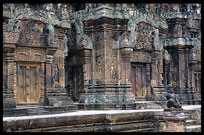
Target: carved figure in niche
(158, 70)
(125, 41)
(84, 41)
(113, 72)
(65, 12)
(56, 74)
(197, 81)
(172, 101)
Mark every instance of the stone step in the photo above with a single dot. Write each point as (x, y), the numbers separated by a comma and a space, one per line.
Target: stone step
(37, 110)
(140, 99)
(194, 128)
(140, 130)
(192, 122)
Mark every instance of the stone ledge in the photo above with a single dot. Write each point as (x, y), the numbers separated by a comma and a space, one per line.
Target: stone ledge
(108, 118)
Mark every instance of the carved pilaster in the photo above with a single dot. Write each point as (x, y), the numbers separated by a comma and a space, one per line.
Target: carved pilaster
(166, 73)
(10, 39)
(126, 55)
(148, 81)
(48, 71)
(42, 83)
(86, 54)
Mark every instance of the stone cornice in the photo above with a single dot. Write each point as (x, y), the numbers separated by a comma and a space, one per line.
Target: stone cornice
(183, 15)
(117, 13)
(182, 41)
(17, 12)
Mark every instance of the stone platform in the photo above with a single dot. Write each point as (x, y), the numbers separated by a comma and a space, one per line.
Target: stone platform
(147, 120)
(26, 110)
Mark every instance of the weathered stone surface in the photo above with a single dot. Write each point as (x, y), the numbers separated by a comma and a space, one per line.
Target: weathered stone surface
(111, 121)
(102, 56)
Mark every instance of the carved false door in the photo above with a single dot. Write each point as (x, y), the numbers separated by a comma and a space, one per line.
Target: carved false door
(78, 82)
(138, 80)
(28, 90)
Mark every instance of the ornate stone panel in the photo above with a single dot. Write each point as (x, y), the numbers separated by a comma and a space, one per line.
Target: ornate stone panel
(141, 56)
(30, 54)
(144, 36)
(32, 33)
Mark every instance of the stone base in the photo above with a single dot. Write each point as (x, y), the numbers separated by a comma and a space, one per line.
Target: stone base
(59, 101)
(28, 110)
(107, 121)
(159, 92)
(105, 106)
(173, 109)
(108, 96)
(150, 104)
(188, 96)
(9, 103)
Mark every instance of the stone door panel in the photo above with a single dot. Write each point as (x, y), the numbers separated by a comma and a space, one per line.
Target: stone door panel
(28, 86)
(138, 80)
(78, 82)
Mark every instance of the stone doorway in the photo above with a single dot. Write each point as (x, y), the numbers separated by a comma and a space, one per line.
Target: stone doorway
(28, 83)
(138, 80)
(78, 82)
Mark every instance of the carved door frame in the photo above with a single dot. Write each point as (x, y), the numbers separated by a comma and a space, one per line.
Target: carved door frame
(143, 72)
(28, 82)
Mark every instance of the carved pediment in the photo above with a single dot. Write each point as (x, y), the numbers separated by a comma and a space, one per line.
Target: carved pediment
(144, 36)
(32, 33)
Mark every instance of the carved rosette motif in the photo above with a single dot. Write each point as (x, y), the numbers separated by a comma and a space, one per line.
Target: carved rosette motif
(11, 37)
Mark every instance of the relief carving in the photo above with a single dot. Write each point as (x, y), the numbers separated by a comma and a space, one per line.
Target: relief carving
(32, 34)
(56, 74)
(84, 42)
(144, 36)
(29, 54)
(11, 37)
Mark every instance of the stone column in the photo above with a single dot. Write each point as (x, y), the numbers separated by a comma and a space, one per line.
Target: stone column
(192, 63)
(181, 72)
(48, 71)
(42, 81)
(9, 96)
(126, 55)
(55, 97)
(86, 54)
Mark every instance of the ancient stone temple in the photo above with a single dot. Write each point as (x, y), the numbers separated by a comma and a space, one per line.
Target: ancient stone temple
(65, 57)
(100, 56)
